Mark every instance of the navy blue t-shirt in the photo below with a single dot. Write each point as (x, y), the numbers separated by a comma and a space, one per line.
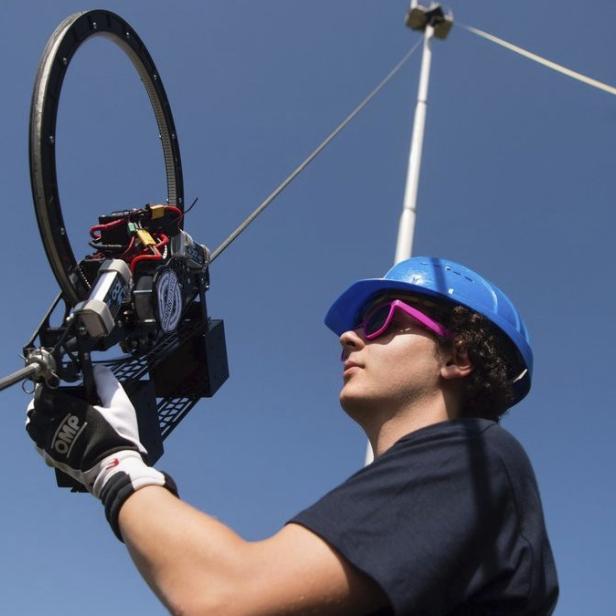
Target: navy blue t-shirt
(448, 522)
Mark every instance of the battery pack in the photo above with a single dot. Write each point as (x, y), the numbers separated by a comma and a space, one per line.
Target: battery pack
(198, 367)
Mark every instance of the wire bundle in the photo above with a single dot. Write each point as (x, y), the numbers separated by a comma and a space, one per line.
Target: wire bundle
(135, 236)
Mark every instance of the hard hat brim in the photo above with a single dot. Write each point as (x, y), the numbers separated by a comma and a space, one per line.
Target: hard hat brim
(345, 311)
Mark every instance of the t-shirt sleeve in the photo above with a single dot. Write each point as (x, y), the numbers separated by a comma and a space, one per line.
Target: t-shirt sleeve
(423, 520)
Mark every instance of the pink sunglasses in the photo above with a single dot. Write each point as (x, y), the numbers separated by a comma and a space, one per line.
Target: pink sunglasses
(378, 319)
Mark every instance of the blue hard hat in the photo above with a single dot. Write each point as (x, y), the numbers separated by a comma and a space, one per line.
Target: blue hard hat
(442, 280)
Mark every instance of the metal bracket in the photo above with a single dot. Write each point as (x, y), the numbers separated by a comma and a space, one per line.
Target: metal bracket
(420, 17)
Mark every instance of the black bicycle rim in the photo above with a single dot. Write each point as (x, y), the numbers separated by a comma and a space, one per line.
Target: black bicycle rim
(60, 48)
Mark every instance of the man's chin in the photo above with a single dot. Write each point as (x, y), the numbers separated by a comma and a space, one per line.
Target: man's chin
(356, 407)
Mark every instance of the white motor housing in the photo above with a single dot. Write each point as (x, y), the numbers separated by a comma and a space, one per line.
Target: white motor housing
(112, 288)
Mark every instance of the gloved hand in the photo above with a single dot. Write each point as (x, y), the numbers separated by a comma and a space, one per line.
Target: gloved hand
(97, 445)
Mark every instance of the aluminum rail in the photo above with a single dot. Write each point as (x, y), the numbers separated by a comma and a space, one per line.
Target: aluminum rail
(19, 375)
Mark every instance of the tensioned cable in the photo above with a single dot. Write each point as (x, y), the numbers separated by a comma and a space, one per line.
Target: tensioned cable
(312, 155)
(544, 61)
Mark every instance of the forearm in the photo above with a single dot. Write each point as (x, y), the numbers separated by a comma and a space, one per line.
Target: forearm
(195, 564)
(189, 559)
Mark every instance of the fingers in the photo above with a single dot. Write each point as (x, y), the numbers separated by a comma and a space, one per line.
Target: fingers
(46, 409)
(110, 390)
(37, 424)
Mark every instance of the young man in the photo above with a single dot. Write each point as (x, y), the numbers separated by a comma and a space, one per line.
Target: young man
(446, 521)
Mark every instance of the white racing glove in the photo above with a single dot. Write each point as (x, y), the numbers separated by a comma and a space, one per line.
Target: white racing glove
(97, 445)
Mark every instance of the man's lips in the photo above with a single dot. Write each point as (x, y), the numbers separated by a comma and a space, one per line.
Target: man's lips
(348, 365)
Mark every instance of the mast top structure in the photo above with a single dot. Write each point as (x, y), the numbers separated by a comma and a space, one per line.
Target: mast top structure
(419, 17)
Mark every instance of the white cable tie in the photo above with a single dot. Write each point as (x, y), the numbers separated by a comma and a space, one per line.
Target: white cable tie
(544, 61)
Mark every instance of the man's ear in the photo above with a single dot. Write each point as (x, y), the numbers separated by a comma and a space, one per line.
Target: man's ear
(457, 364)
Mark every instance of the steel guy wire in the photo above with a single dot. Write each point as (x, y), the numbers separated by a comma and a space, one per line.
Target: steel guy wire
(559, 68)
(312, 155)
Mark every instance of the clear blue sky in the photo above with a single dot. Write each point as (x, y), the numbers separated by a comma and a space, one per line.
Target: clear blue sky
(518, 182)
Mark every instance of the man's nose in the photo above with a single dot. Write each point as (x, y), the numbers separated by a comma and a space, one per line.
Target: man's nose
(350, 340)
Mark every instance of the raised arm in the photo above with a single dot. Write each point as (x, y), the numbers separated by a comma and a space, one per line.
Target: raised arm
(195, 564)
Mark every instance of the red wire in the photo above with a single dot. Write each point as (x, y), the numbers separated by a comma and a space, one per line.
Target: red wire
(143, 257)
(174, 209)
(131, 245)
(163, 241)
(107, 225)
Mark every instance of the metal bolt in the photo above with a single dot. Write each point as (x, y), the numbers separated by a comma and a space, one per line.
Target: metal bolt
(52, 139)
(94, 26)
(155, 77)
(81, 330)
(62, 231)
(128, 35)
(65, 61)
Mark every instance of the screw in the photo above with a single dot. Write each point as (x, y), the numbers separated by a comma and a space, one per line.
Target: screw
(52, 139)
(94, 26)
(65, 61)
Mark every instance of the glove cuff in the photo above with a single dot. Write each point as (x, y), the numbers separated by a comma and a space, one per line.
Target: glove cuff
(121, 476)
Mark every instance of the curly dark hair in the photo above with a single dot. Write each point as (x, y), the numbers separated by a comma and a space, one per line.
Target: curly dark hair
(488, 390)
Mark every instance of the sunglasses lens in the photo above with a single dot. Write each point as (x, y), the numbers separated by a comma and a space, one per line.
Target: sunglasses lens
(375, 319)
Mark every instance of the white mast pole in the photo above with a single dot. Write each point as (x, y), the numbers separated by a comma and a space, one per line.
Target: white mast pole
(406, 227)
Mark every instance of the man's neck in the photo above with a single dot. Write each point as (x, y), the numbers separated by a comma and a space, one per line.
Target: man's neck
(384, 428)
